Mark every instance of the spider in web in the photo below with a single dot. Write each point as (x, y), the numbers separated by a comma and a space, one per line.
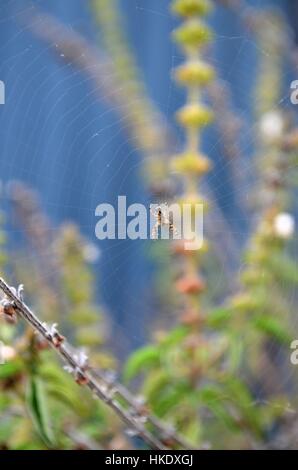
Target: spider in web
(162, 217)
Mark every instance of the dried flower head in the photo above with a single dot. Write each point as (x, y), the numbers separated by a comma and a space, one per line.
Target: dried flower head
(190, 285)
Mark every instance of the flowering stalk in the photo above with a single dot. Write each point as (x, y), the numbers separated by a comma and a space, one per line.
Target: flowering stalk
(192, 367)
(191, 164)
(135, 416)
(182, 368)
(267, 264)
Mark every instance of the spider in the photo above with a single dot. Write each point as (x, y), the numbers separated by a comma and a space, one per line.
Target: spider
(161, 214)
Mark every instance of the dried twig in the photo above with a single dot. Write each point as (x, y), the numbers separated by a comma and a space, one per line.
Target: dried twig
(167, 432)
(81, 441)
(135, 416)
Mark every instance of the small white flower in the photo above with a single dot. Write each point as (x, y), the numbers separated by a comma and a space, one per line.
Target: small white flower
(91, 253)
(81, 359)
(284, 225)
(272, 126)
(7, 353)
(131, 432)
(69, 369)
(77, 371)
(53, 334)
(18, 292)
(53, 329)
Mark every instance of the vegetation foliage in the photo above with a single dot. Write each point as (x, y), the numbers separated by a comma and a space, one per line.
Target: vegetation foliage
(200, 379)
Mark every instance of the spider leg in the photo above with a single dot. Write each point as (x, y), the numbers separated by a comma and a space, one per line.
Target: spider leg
(174, 230)
(154, 233)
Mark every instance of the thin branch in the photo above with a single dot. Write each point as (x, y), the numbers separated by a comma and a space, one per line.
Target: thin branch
(78, 365)
(167, 432)
(80, 440)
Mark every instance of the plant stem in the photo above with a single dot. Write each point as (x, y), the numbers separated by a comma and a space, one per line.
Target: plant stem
(106, 392)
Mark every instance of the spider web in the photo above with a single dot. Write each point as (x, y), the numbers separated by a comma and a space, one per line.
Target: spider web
(76, 150)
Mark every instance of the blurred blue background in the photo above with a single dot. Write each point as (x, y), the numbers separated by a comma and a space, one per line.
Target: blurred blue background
(57, 136)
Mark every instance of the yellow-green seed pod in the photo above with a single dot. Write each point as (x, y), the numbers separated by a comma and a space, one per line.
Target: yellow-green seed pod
(194, 73)
(194, 115)
(191, 7)
(244, 303)
(190, 163)
(193, 34)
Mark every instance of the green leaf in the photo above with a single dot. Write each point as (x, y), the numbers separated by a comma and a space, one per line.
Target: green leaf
(193, 430)
(213, 398)
(37, 406)
(175, 336)
(66, 396)
(240, 396)
(236, 347)
(218, 318)
(10, 369)
(172, 396)
(210, 393)
(273, 327)
(145, 357)
(284, 268)
(155, 384)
